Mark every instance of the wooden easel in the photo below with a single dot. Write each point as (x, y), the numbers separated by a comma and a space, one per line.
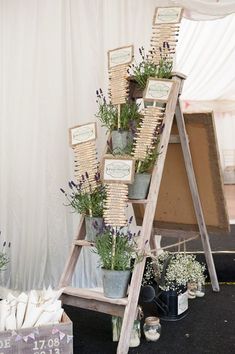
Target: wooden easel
(127, 307)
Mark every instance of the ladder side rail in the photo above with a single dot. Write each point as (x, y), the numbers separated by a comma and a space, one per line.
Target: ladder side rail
(130, 311)
(70, 265)
(195, 197)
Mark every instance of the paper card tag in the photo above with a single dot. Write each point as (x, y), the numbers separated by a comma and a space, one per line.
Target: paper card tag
(120, 170)
(82, 133)
(120, 56)
(164, 15)
(157, 90)
(182, 303)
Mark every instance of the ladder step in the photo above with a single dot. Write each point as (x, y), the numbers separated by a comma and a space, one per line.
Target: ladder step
(84, 243)
(174, 139)
(138, 201)
(94, 294)
(93, 299)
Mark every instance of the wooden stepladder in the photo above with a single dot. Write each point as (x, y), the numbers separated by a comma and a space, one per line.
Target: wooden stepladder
(127, 307)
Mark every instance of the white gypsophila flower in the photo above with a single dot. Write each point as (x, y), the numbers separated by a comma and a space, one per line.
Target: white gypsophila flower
(182, 268)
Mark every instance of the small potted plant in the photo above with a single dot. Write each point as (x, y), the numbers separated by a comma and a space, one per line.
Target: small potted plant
(174, 272)
(88, 201)
(139, 188)
(122, 129)
(116, 249)
(147, 68)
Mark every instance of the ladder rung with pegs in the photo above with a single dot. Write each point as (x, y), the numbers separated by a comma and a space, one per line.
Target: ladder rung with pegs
(94, 299)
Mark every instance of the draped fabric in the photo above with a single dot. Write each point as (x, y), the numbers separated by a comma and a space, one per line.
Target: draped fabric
(202, 9)
(206, 53)
(53, 58)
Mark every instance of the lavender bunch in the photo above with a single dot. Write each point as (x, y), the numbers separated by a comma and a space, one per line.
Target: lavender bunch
(147, 68)
(116, 247)
(84, 199)
(165, 63)
(108, 114)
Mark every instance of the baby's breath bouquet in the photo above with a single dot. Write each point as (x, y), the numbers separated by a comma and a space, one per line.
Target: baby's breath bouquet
(176, 270)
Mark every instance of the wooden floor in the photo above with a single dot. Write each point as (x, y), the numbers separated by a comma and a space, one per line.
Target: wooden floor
(229, 190)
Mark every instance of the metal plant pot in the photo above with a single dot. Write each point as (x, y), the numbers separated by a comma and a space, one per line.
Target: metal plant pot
(139, 188)
(115, 283)
(121, 140)
(91, 230)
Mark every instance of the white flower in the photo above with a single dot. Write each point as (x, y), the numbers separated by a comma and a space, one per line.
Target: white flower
(181, 269)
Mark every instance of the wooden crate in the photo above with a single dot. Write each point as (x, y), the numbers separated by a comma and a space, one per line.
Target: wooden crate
(49, 339)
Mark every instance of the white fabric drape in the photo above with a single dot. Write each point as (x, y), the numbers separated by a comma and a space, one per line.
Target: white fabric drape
(206, 54)
(202, 9)
(53, 58)
(35, 109)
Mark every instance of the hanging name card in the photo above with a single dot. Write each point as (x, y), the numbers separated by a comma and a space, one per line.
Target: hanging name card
(82, 133)
(120, 170)
(157, 90)
(120, 56)
(164, 15)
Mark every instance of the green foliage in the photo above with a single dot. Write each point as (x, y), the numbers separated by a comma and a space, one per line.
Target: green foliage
(86, 200)
(148, 163)
(87, 203)
(129, 116)
(146, 68)
(124, 250)
(164, 69)
(108, 114)
(116, 248)
(142, 71)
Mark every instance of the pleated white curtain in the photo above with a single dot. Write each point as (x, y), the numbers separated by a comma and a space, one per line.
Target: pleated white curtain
(205, 9)
(53, 58)
(36, 107)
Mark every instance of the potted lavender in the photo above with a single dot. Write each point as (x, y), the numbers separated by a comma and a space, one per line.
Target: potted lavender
(116, 248)
(147, 68)
(139, 188)
(122, 129)
(87, 201)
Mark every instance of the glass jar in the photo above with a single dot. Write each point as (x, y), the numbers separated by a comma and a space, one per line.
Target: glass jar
(200, 292)
(152, 329)
(192, 288)
(195, 290)
(135, 334)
